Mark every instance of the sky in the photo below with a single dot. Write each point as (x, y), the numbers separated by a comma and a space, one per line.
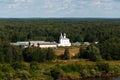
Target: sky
(59, 8)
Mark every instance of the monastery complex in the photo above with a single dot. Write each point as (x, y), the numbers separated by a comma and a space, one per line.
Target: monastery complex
(63, 41)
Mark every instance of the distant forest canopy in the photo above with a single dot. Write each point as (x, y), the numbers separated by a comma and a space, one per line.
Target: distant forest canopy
(49, 29)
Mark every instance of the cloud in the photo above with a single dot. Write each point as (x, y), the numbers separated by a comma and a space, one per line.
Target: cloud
(70, 6)
(19, 3)
(59, 5)
(98, 4)
(117, 0)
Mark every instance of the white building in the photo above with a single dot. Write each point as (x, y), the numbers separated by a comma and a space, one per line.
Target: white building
(21, 43)
(86, 43)
(64, 41)
(41, 44)
(76, 44)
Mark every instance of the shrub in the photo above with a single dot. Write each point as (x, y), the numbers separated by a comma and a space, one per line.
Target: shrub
(102, 66)
(17, 65)
(6, 68)
(85, 73)
(34, 66)
(72, 67)
(23, 75)
(56, 73)
(116, 69)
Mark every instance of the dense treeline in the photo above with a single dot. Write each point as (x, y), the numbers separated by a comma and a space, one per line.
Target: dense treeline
(108, 50)
(49, 30)
(10, 54)
(38, 55)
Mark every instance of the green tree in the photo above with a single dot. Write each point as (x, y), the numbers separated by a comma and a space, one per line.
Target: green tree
(1, 57)
(50, 55)
(93, 53)
(66, 54)
(82, 53)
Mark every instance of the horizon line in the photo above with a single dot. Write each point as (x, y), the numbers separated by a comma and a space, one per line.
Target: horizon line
(59, 17)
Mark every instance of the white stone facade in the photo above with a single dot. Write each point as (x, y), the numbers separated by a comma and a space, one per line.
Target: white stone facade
(41, 44)
(64, 41)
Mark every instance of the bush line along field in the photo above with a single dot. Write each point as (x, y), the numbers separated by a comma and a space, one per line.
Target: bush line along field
(59, 70)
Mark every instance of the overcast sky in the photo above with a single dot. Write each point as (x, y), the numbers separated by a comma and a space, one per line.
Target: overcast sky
(59, 8)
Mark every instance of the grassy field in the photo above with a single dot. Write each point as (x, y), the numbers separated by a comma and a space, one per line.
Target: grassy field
(79, 61)
(73, 51)
(73, 61)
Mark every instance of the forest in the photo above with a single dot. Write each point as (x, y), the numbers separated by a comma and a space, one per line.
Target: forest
(50, 29)
(95, 60)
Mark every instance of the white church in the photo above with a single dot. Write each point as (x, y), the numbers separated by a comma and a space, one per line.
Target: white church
(64, 41)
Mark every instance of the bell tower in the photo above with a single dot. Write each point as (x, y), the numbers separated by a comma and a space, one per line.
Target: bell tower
(61, 36)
